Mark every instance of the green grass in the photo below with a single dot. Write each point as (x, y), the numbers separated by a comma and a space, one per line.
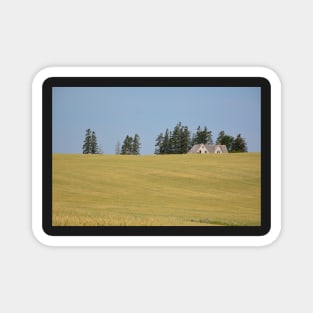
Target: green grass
(155, 190)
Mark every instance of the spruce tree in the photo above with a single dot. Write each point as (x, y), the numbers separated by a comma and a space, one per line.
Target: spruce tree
(127, 146)
(90, 145)
(94, 145)
(87, 142)
(198, 136)
(175, 142)
(220, 137)
(166, 148)
(209, 139)
(159, 144)
(203, 136)
(185, 139)
(239, 144)
(193, 141)
(136, 145)
(226, 140)
(170, 143)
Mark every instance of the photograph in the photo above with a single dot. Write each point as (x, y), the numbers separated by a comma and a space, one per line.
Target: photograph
(156, 156)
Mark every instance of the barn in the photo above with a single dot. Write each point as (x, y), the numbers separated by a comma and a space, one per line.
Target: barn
(206, 148)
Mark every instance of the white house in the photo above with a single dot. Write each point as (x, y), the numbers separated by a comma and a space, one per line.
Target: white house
(206, 148)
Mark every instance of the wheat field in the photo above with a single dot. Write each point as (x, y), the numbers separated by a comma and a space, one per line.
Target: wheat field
(156, 190)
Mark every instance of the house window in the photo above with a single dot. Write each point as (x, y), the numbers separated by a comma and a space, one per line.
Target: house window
(206, 151)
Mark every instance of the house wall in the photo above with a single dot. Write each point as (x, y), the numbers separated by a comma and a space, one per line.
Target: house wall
(218, 150)
(202, 149)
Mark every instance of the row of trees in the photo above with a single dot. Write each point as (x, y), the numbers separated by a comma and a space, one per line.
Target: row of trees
(177, 141)
(180, 140)
(130, 145)
(237, 144)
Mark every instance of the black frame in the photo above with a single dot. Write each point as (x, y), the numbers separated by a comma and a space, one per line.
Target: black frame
(156, 230)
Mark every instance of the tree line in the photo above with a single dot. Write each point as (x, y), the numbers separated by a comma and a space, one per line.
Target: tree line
(131, 145)
(180, 140)
(177, 141)
(237, 144)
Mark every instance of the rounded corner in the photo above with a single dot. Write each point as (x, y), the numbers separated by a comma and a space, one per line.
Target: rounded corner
(41, 236)
(42, 76)
(42, 73)
(271, 76)
(271, 236)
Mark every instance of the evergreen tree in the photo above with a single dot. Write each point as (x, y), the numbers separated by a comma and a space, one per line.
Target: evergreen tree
(127, 146)
(136, 145)
(170, 143)
(209, 138)
(173, 142)
(192, 141)
(166, 148)
(94, 145)
(176, 137)
(203, 136)
(197, 136)
(90, 145)
(239, 144)
(131, 145)
(185, 139)
(159, 144)
(220, 137)
(226, 140)
(87, 142)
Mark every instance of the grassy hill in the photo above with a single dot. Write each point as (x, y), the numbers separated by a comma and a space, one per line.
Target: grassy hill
(155, 190)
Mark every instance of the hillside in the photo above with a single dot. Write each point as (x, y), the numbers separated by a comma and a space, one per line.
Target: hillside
(156, 190)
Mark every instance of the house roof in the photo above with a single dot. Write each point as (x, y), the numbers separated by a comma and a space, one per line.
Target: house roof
(194, 149)
(223, 148)
(210, 148)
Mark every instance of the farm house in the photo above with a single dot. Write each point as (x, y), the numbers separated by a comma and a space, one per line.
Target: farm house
(205, 148)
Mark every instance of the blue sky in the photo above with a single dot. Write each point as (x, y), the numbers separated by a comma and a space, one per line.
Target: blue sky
(114, 112)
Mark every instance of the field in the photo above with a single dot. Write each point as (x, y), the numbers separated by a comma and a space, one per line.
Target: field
(174, 190)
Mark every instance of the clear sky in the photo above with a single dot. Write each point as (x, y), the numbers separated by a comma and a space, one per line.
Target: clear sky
(114, 112)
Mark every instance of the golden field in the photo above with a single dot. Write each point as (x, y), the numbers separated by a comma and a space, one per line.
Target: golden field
(154, 190)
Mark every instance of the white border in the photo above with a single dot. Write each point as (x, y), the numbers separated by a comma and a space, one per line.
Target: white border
(154, 72)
